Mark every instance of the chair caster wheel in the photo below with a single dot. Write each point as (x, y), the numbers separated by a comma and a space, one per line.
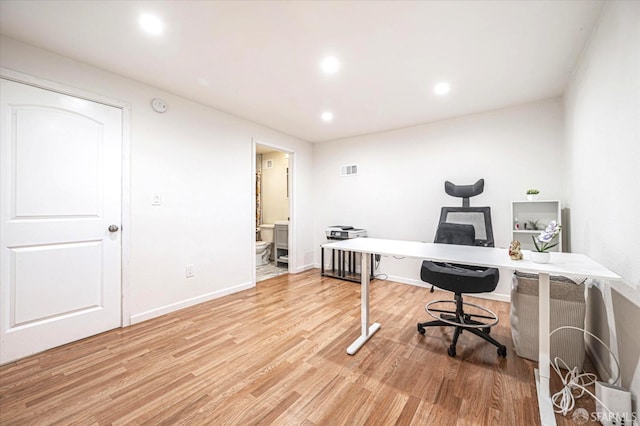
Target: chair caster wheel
(421, 329)
(502, 351)
(451, 351)
(487, 330)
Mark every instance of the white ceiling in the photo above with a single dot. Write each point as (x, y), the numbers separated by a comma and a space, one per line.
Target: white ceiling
(260, 60)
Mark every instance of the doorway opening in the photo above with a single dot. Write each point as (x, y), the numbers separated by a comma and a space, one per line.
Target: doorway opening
(273, 222)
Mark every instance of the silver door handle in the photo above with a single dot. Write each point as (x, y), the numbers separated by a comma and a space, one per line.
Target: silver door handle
(113, 228)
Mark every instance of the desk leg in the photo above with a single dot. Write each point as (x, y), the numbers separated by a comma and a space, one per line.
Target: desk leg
(366, 331)
(547, 416)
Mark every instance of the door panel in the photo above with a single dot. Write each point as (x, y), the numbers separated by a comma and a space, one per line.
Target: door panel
(60, 189)
(70, 191)
(40, 268)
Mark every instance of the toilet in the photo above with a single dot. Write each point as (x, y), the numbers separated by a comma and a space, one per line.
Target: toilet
(263, 247)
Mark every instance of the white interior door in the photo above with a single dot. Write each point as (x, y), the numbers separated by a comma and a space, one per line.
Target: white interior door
(60, 191)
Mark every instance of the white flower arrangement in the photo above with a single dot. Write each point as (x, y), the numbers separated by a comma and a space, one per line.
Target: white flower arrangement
(543, 242)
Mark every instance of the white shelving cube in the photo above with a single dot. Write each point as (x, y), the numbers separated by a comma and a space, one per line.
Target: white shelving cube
(527, 212)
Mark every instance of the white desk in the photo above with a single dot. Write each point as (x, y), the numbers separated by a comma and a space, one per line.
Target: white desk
(561, 264)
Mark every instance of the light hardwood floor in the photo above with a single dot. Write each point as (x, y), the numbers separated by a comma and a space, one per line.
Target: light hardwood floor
(276, 354)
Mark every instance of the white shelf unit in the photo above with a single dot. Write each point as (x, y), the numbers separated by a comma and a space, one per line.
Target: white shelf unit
(543, 211)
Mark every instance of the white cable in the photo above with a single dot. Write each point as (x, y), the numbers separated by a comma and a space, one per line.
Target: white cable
(376, 265)
(564, 400)
(612, 382)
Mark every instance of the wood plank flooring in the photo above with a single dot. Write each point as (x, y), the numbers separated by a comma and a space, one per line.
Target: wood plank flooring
(276, 354)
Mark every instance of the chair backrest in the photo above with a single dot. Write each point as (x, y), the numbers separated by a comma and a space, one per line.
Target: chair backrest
(455, 233)
(478, 217)
(464, 191)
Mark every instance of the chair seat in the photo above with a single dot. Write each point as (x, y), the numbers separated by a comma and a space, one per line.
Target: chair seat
(460, 278)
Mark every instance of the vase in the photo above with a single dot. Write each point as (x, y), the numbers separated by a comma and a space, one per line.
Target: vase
(532, 197)
(540, 256)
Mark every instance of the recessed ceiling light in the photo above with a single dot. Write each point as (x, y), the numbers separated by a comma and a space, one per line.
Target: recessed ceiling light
(330, 64)
(151, 24)
(327, 116)
(442, 88)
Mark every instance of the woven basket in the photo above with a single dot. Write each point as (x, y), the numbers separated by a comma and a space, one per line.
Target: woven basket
(567, 308)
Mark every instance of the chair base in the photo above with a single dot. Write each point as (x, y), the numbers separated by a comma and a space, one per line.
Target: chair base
(467, 321)
(462, 321)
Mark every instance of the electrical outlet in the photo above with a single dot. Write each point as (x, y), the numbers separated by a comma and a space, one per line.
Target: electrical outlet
(189, 271)
(617, 401)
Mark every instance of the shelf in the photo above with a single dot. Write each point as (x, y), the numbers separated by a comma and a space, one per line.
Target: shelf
(536, 202)
(353, 277)
(344, 267)
(540, 211)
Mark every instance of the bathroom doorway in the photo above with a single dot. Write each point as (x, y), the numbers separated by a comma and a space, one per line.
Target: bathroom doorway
(273, 211)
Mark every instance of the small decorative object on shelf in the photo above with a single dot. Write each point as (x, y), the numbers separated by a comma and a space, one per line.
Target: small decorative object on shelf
(533, 224)
(532, 194)
(514, 250)
(544, 242)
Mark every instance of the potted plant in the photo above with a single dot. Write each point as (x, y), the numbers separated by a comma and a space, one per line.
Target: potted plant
(544, 242)
(533, 224)
(532, 194)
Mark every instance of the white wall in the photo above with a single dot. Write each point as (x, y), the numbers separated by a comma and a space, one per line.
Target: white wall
(399, 188)
(603, 177)
(201, 161)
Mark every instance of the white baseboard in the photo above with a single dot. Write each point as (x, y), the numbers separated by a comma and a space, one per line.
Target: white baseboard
(493, 296)
(419, 283)
(153, 313)
(403, 280)
(304, 268)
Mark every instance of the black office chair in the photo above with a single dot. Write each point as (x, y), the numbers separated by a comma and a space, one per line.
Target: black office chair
(463, 226)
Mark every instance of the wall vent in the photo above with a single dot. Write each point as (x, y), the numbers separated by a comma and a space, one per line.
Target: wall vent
(349, 170)
(267, 164)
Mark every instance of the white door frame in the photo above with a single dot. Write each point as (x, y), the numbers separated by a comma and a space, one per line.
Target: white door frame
(292, 222)
(126, 160)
